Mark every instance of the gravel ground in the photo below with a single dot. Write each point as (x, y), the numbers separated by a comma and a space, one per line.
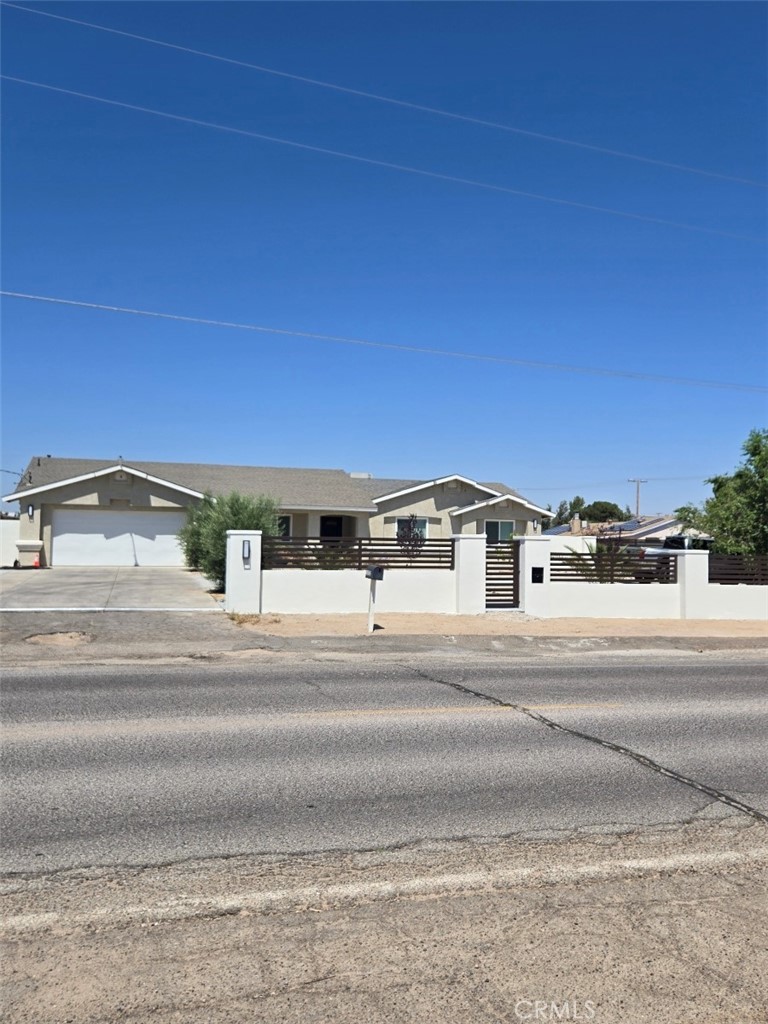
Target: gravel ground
(640, 928)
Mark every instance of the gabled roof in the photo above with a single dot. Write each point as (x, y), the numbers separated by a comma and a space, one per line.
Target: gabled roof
(119, 467)
(420, 485)
(294, 489)
(510, 496)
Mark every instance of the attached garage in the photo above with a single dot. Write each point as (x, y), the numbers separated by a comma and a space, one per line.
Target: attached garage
(116, 537)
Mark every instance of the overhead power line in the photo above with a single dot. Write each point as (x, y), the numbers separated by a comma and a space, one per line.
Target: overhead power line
(407, 104)
(612, 483)
(384, 163)
(392, 347)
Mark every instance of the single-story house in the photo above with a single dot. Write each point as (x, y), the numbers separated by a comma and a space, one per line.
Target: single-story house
(102, 512)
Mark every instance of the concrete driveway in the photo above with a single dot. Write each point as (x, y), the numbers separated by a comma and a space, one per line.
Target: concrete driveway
(105, 589)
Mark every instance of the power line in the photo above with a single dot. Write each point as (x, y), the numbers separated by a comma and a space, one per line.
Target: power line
(384, 163)
(392, 347)
(407, 104)
(613, 483)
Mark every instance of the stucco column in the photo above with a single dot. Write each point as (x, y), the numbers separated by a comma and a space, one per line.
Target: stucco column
(243, 592)
(469, 566)
(692, 581)
(534, 575)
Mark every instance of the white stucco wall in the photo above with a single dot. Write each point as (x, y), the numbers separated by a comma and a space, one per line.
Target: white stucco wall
(614, 600)
(720, 601)
(9, 534)
(307, 591)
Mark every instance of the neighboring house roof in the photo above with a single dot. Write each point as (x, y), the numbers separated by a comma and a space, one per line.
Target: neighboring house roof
(293, 488)
(632, 529)
(639, 526)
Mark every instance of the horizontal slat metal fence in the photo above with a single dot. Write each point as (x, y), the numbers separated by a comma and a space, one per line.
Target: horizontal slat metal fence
(353, 553)
(612, 566)
(502, 577)
(752, 570)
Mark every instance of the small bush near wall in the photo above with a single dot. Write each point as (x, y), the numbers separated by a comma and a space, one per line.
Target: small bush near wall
(203, 538)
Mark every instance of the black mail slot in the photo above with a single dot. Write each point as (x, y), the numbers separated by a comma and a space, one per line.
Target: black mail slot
(374, 572)
(537, 574)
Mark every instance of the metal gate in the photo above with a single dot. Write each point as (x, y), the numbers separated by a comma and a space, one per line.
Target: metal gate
(502, 589)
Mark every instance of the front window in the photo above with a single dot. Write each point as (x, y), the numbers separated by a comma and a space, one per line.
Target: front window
(283, 526)
(419, 524)
(498, 532)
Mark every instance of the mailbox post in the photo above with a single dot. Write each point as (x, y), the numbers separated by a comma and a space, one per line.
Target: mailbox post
(373, 573)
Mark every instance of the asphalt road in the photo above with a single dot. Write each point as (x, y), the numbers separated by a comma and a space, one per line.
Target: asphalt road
(148, 765)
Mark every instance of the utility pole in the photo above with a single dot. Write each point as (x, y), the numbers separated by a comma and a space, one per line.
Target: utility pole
(636, 481)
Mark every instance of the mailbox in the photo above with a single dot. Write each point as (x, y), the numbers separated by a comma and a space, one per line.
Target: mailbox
(374, 572)
(537, 574)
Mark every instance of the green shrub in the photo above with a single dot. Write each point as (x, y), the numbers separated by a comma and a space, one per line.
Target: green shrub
(204, 536)
(190, 535)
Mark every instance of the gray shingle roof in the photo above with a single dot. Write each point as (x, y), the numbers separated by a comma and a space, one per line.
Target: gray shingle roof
(291, 488)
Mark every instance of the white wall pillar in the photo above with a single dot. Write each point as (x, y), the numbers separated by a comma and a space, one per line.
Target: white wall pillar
(692, 582)
(469, 565)
(243, 593)
(534, 555)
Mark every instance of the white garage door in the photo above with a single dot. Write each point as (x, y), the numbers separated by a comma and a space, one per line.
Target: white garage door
(116, 537)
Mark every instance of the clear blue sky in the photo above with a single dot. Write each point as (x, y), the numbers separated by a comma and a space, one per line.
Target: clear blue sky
(109, 205)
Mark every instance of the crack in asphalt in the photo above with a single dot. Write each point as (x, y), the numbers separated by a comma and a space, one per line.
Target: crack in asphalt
(616, 748)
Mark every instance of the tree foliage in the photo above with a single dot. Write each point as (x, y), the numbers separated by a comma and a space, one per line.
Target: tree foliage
(596, 512)
(203, 537)
(605, 512)
(736, 516)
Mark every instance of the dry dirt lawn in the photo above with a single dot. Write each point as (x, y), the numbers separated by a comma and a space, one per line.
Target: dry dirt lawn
(498, 624)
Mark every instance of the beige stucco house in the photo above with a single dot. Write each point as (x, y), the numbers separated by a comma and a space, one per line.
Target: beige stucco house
(95, 512)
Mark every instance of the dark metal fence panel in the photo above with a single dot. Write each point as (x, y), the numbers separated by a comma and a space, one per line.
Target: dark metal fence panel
(502, 575)
(353, 553)
(734, 569)
(612, 566)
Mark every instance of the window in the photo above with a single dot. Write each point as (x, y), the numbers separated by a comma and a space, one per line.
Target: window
(498, 532)
(283, 526)
(420, 524)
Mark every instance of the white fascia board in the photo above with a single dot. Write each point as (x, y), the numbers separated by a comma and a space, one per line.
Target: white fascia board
(31, 491)
(502, 497)
(326, 508)
(433, 483)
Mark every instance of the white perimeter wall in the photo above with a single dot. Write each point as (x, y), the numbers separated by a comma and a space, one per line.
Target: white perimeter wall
(614, 600)
(720, 601)
(319, 592)
(9, 534)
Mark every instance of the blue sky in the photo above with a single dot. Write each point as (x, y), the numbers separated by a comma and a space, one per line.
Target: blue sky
(113, 206)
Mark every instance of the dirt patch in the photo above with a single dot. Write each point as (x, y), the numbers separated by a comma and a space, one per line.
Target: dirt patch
(497, 624)
(59, 639)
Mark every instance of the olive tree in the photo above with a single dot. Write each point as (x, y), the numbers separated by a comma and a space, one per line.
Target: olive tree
(203, 537)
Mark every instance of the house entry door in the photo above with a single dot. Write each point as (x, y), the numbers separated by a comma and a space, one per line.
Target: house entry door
(336, 527)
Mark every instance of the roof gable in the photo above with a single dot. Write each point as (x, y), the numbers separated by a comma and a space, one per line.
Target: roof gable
(119, 467)
(418, 486)
(510, 496)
